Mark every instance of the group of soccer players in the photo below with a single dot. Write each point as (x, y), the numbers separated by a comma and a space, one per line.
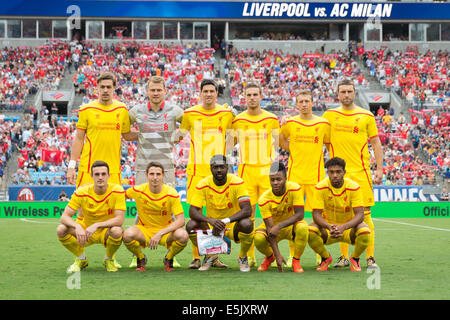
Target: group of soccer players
(340, 205)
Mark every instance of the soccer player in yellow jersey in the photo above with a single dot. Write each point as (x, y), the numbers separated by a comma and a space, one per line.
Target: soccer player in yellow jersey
(352, 128)
(207, 124)
(161, 219)
(104, 207)
(338, 215)
(304, 136)
(227, 208)
(256, 131)
(282, 209)
(100, 127)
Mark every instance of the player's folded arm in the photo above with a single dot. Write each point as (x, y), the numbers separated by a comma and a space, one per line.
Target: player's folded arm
(319, 220)
(298, 216)
(246, 209)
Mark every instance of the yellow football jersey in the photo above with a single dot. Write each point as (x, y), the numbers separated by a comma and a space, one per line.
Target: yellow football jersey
(350, 132)
(156, 211)
(221, 201)
(337, 204)
(280, 208)
(98, 207)
(104, 126)
(306, 141)
(254, 134)
(207, 130)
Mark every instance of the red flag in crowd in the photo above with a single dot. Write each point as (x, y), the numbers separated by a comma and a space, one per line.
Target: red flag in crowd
(53, 156)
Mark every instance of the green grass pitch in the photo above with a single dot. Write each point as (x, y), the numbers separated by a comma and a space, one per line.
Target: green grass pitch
(412, 255)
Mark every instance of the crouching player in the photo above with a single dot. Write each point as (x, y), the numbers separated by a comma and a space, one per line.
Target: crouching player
(227, 208)
(338, 214)
(161, 219)
(282, 209)
(103, 206)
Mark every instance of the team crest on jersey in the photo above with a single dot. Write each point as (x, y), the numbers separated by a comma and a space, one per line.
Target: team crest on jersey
(355, 129)
(230, 205)
(90, 206)
(347, 209)
(316, 139)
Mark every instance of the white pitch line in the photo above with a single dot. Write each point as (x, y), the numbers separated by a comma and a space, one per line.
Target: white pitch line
(410, 224)
(32, 221)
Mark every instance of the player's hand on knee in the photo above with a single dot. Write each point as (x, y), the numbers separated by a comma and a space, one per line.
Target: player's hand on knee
(154, 241)
(274, 231)
(218, 226)
(81, 235)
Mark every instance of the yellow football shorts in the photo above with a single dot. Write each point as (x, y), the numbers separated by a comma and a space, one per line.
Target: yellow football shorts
(287, 233)
(256, 179)
(149, 232)
(364, 179)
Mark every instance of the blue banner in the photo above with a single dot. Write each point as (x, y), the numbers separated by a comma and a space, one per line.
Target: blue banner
(224, 9)
(381, 193)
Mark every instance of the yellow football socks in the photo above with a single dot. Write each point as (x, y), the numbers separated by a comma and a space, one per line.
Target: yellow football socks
(246, 240)
(361, 242)
(70, 243)
(371, 247)
(262, 244)
(315, 241)
(175, 248)
(112, 245)
(135, 248)
(301, 239)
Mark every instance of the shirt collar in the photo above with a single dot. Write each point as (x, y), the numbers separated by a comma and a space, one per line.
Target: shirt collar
(150, 108)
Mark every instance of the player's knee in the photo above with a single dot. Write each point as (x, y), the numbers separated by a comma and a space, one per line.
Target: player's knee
(181, 235)
(61, 231)
(190, 226)
(246, 225)
(129, 235)
(313, 233)
(116, 232)
(302, 231)
(260, 239)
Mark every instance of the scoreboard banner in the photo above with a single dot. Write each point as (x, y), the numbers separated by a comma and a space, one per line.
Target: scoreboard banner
(226, 9)
(36, 210)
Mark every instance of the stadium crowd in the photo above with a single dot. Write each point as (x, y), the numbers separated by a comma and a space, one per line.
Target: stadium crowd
(25, 70)
(422, 79)
(183, 67)
(280, 73)
(45, 148)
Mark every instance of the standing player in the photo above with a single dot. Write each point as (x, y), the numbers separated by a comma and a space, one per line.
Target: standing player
(157, 124)
(161, 218)
(207, 124)
(100, 127)
(254, 130)
(352, 127)
(304, 136)
(104, 207)
(282, 210)
(338, 215)
(227, 208)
